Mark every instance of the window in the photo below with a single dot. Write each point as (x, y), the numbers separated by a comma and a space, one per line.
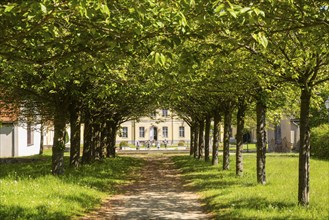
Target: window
(181, 131)
(141, 132)
(30, 135)
(125, 132)
(165, 132)
(164, 112)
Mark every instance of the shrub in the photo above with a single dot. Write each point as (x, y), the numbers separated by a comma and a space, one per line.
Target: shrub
(320, 141)
(181, 143)
(123, 144)
(67, 137)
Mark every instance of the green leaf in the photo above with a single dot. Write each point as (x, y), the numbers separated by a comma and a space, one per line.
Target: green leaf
(219, 8)
(43, 8)
(259, 12)
(10, 7)
(244, 10)
(261, 38)
(106, 10)
(233, 13)
(157, 58)
(162, 59)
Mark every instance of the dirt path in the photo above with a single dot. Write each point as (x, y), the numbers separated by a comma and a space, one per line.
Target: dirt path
(158, 194)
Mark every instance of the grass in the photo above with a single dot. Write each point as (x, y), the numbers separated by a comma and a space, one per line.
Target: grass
(29, 191)
(246, 147)
(231, 197)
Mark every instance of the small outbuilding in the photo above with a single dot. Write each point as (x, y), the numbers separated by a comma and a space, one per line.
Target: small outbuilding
(18, 138)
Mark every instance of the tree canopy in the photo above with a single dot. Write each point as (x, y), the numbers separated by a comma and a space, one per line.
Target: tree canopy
(111, 61)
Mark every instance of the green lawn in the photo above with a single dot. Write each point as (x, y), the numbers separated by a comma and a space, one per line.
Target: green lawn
(29, 191)
(231, 197)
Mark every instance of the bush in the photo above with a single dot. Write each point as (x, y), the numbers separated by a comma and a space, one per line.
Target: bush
(320, 141)
(181, 143)
(123, 144)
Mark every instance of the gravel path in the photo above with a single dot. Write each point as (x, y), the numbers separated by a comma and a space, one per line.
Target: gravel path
(158, 194)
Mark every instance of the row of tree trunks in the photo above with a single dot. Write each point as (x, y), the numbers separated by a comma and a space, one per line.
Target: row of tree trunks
(99, 137)
(304, 153)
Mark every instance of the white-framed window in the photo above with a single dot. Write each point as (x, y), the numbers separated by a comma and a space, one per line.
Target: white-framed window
(141, 132)
(164, 113)
(165, 132)
(181, 131)
(30, 135)
(124, 132)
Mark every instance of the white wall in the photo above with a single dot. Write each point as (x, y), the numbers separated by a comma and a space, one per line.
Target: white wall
(22, 148)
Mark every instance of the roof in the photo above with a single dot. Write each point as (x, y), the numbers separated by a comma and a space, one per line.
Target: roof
(8, 113)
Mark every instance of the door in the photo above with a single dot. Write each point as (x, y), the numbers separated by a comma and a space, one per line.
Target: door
(7, 140)
(153, 133)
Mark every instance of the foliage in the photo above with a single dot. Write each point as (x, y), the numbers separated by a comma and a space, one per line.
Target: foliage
(123, 144)
(181, 143)
(232, 197)
(29, 191)
(320, 141)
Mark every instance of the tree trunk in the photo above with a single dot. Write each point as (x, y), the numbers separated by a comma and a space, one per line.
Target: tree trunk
(207, 138)
(87, 154)
(104, 142)
(108, 139)
(41, 139)
(192, 139)
(227, 132)
(196, 140)
(75, 136)
(96, 140)
(261, 141)
(304, 149)
(59, 142)
(216, 135)
(201, 138)
(239, 137)
(112, 138)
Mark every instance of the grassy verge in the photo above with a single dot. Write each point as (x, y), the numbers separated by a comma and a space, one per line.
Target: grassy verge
(29, 191)
(231, 197)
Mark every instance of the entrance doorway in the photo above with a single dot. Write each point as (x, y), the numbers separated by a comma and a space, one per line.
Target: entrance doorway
(153, 133)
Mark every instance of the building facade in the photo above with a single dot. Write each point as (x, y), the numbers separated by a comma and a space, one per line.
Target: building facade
(162, 125)
(284, 137)
(18, 138)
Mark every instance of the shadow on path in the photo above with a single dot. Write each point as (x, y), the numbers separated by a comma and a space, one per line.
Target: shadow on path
(158, 194)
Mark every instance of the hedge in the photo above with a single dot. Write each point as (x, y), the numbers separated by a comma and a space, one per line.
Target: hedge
(320, 142)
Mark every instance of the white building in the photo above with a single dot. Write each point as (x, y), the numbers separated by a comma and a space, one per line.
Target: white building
(162, 125)
(19, 139)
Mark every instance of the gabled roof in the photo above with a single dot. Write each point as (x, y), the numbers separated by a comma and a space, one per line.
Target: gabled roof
(8, 113)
